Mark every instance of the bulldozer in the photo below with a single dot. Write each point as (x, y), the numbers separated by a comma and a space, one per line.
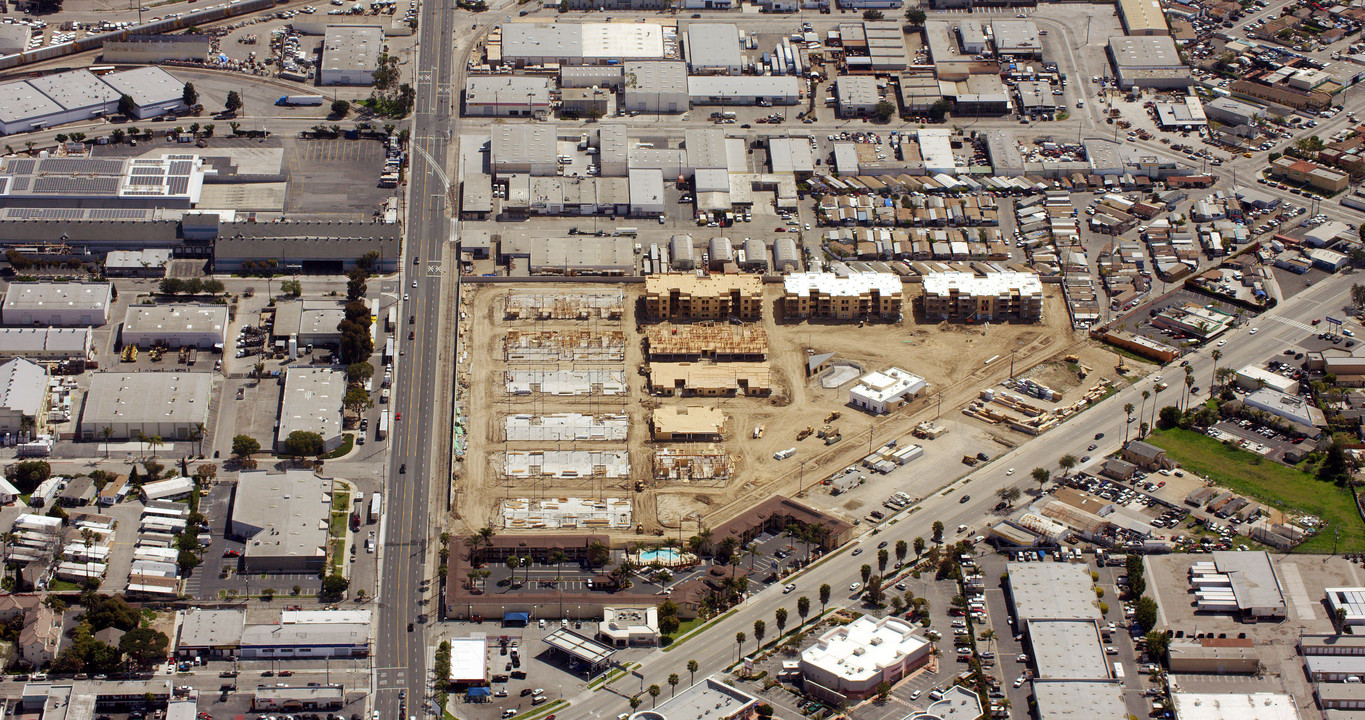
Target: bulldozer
(1121, 368)
(833, 416)
(1074, 359)
(802, 435)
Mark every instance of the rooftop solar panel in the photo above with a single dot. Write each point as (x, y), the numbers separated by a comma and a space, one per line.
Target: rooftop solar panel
(20, 167)
(145, 170)
(76, 185)
(95, 166)
(144, 180)
(181, 167)
(179, 185)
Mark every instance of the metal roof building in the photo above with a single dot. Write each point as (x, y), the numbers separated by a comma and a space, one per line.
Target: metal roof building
(282, 518)
(311, 402)
(51, 304)
(1151, 61)
(23, 108)
(78, 92)
(655, 86)
(1255, 582)
(350, 54)
(525, 148)
(1068, 650)
(1079, 700)
(713, 48)
(152, 89)
(23, 394)
(173, 180)
(169, 405)
(200, 326)
(14, 38)
(790, 155)
(507, 95)
(743, 89)
(1143, 17)
(1052, 591)
(45, 344)
(580, 43)
(1016, 37)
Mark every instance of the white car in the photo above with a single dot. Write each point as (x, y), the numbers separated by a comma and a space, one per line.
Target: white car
(1019, 681)
(915, 695)
(1009, 472)
(1253, 331)
(855, 587)
(414, 283)
(790, 587)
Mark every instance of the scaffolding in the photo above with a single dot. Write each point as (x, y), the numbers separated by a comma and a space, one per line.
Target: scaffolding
(710, 341)
(565, 382)
(566, 464)
(548, 346)
(693, 464)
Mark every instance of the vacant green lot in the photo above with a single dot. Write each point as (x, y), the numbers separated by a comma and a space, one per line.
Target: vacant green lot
(1271, 483)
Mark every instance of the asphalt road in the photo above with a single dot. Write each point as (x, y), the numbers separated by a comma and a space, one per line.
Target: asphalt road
(1277, 330)
(400, 649)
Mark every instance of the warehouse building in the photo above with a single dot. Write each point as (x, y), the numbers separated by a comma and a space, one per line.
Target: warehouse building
(309, 322)
(1016, 39)
(1148, 62)
(848, 663)
(171, 181)
(150, 263)
(857, 94)
(139, 48)
(524, 148)
(743, 89)
(507, 95)
(23, 108)
(311, 402)
(681, 296)
(350, 54)
(713, 49)
(580, 43)
(52, 304)
(282, 519)
(571, 255)
(830, 296)
(23, 396)
(646, 193)
(655, 86)
(209, 633)
(1078, 700)
(1233, 112)
(305, 246)
(169, 405)
(153, 90)
(45, 344)
(592, 102)
(198, 326)
(80, 93)
(1143, 17)
(1000, 296)
(14, 38)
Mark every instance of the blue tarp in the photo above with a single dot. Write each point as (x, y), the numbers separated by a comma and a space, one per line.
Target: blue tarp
(478, 693)
(516, 618)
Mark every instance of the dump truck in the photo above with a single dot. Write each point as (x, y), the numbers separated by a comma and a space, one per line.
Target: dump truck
(805, 433)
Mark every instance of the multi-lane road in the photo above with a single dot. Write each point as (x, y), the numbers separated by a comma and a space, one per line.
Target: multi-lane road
(1277, 330)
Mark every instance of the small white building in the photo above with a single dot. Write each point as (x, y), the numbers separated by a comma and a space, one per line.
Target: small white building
(882, 392)
(849, 662)
(350, 53)
(23, 396)
(858, 95)
(628, 627)
(468, 660)
(172, 489)
(646, 192)
(1252, 378)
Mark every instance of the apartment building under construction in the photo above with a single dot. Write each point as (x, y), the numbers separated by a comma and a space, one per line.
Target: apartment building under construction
(993, 297)
(830, 296)
(681, 296)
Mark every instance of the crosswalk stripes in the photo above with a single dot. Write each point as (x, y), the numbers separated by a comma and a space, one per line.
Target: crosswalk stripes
(1293, 323)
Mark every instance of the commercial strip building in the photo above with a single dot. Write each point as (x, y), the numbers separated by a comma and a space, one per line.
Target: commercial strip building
(52, 304)
(198, 326)
(881, 392)
(282, 518)
(168, 405)
(1196, 321)
(684, 296)
(225, 634)
(994, 297)
(831, 296)
(350, 54)
(311, 402)
(848, 663)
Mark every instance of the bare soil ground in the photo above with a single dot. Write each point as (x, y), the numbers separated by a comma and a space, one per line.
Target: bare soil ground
(952, 358)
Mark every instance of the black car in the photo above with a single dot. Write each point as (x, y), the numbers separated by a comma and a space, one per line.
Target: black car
(882, 545)
(964, 499)
(1099, 435)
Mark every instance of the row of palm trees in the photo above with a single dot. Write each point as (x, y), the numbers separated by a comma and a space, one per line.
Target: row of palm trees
(197, 435)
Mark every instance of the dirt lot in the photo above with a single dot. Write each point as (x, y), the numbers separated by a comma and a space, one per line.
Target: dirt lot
(953, 359)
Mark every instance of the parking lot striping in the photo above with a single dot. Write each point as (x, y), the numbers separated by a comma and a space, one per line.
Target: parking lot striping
(1293, 582)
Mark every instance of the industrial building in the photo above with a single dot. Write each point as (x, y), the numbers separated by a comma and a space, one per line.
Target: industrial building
(994, 297)
(170, 181)
(1213, 656)
(1235, 706)
(1016, 39)
(209, 633)
(14, 38)
(305, 246)
(655, 86)
(1051, 591)
(61, 98)
(857, 95)
(848, 663)
(1244, 583)
(507, 95)
(1143, 17)
(198, 326)
(713, 49)
(52, 304)
(153, 90)
(881, 392)
(23, 397)
(588, 43)
(646, 192)
(830, 296)
(308, 322)
(570, 255)
(142, 48)
(524, 148)
(350, 54)
(45, 344)
(149, 263)
(743, 90)
(311, 402)
(168, 405)
(679, 296)
(1233, 112)
(1148, 61)
(1078, 700)
(282, 518)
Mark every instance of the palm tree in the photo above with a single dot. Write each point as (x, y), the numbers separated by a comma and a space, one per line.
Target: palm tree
(1128, 411)
(197, 436)
(1145, 394)
(740, 637)
(558, 557)
(781, 617)
(692, 671)
(824, 597)
(902, 550)
(1217, 355)
(673, 681)
(513, 562)
(106, 432)
(654, 691)
(760, 629)
(803, 608)
(486, 535)
(155, 442)
(883, 557)
(919, 545)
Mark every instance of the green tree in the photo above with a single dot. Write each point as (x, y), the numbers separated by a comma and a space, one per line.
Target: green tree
(369, 262)
(189, 95)
(919, 546)
(1041, 476)
(740, 637)
(126, 105)
(673, 681)
(803, 608)
(303, 443)
(334, 587)
(916, 16)
(1335, 467)
(883, 559)
(884, 110)
(355, 284)
(937, 531)
(1168, 417)
(245, 446)
(172, 286)
(692, 671)
(872, 15)
(357, 400)
(902, 550)
(291, 288)
(1157, 642)
(760, 629)
(781, 617)
(358, 373)
(1145, 612)
(233, 103)
(143, 645)
(27, 475)
(340, 108)
(824, 597)
(1067, 462)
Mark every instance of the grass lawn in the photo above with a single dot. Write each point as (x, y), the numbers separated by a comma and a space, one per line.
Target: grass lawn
(684, 627)
(337, 528)
(341, 501)
(63, 586)
(346, 445)
(338, 555)
(1271, 483)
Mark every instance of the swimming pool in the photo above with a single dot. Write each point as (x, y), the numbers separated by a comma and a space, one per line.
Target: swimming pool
(662, 555)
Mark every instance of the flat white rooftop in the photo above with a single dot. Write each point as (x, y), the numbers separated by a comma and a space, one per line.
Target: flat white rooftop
(863, 648)
(851, 285)
(992, 284)
(888, 385)
(1234, 706)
